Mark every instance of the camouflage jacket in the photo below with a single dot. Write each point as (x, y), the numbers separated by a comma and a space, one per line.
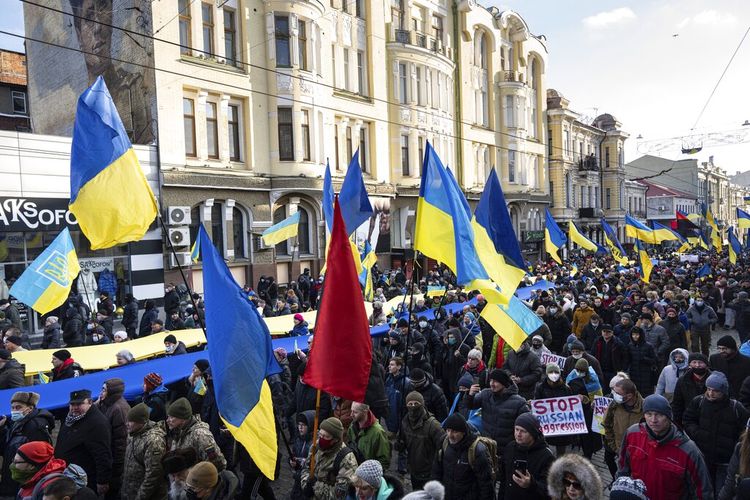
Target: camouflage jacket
(330, 484)
(143, 477)
(197, 435)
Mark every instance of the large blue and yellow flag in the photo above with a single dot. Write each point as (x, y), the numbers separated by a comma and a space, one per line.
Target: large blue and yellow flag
(743, 219)
(328, 199)
(554, 238)
(355, 204)
(241, 357)
(646, 264)
(514, 322)
(288, 228)
(716, 239)
(610, 239)
(495, 240)
(45, 284)
(368, 259)
(109, 194)
(576, 237)
(663, 233)
(735, 247)
(638, 230)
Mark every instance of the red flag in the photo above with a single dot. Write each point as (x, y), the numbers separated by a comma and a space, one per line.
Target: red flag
(341, 353)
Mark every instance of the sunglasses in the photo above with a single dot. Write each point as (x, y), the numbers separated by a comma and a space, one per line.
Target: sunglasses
(575, 484)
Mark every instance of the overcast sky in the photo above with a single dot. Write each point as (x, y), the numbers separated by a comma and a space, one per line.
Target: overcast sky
(623, 58)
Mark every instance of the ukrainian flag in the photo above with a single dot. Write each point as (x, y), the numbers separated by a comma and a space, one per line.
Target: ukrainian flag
(579, 239)
(646, 264)
(704, 271)
(573, 270)
(354, 203)
(735, 248)
(288, 228)
(663, 233)
(610, 239)
(554, 238)
(45, 284)
(638, 230)
(195, 251)
(443, 229)
(743, 219)
(435, 291)
(514, 322)
(716, 239)
(328, 198)
(368, 259)
(109, 194)
(241, 357)
(495, 240)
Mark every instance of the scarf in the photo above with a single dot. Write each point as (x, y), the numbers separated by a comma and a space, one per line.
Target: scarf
(479, 368)
(64, 365)
(72, 419)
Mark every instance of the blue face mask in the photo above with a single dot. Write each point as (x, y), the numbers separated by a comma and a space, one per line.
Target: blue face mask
(16, 415)
(451, 341)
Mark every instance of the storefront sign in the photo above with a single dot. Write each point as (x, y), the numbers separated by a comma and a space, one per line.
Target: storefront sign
(97, 264)
(533, 236)
(35, 214)
(560, 416)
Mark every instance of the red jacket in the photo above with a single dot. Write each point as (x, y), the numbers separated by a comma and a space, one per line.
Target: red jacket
(671, 467)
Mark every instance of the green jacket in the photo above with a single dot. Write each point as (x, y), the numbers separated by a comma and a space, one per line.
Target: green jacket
(143, 476)
(422, 439)
(329, 484)
(371, 441)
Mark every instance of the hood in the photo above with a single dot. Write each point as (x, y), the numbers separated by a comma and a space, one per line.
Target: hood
(309, 418)
(47, 417)
(685, 355)
(507, 392)
(115, 388)
(582, 469)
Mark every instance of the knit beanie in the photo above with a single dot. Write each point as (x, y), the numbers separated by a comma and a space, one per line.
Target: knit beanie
(298, 317)
(14, 339)
(371, 472)
(126, 355)
(501, 376)
(456, 422)
(202, 365)
(466, 380)
(415, 396)
(577, 345)
(170, 338)
(718, 382)
(27, 398)
(139, 413)
(625, 488)
(36, 452)
(697, 356)
(433, 490)
(728, 342)
(202, 476)
(62, 354)
(180, 409)
(552, 368)
(121, 335)
(530, 424)
(582, 365)
(152, 381)
(334, 427)
(658, 404)
(417, 376)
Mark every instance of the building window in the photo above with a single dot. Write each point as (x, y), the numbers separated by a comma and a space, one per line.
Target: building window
(551, 194)
(510, 115)
(303, 234)
(349, 151)
(511, 166)
(550, 147)
(286, 134)
(363, 150)
(359, 8)
(606, 156)
(419, 86)
(420, 141)
(302, 44)
(596, 197)
(212, 130)
(437, 27)
(405, 155)
(19, 102)
(217, 227)
(233, 130)
(336, 164)
(534, 98)
(583, 197)
(185, 32)
(402, 83)
(283, 58)
(361, 73)
(608, 198)
(188, 118)
(346, 70)
(230, 37)
(305, 135)
(333, 67)
(239, 234)
(207, 13)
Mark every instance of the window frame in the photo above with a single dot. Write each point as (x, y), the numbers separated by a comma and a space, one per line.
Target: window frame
(282, 41)
(19, 94)
(364, 132)
(347, 76)
(511, 166)
(191, 118)
(234, 131)
(210, 105)
(403, 83)
(283, 129)
(230, 36)
(405, 170)
(302, 45)
(186, 23)
(305, 127)
(362, 82)
(208, 24)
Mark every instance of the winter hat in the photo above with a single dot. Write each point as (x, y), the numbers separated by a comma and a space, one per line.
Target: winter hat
(552, 368)
(121, 335)
(582, 365)
(115, 387)
(14, 339)
(671, 309)
(466, 380)
(371, 472)
(718, 382)
(456, 422)
(152, 381)
(743, 295)
(170, 339)
(394, 334)
(36, 452)
(697, 356)
(606, 327)
(126, 355)
(470, 316)
(178, 460)
(417, 348)
(626, 315)
(728, 342)
(27, 398)
(433, 490)
(298, 317)
(62, 354)
(76, 474)
(501, 376)
(647, 316)
(5, 354)
(537, 337)
(417, 376)
(658, 404)
(625, 488)
(402, 323)
(333, 426)
(202, 476)
(202, 365)
(139, 413)
(280, 352)
(530, 424)
(415, 396)
(577, 345)
(180, 409)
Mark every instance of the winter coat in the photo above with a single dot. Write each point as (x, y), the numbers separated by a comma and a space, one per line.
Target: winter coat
(742, 315)
(547, 389)
(538, 458)
(156, 401)
(670, 373)
(330, 484)
(143, 476)
(12, 315)
(395, 390)
(52, 338)
(525, 365)
(729, 490)
(149, 316)
(499, 412)
(675, 333)
(36, 426)
(559, 327)
(590, 334)
(582, 469)
(434, 400)
(197, 435)
(701, 319)
(73, 330)
(12, 375)
(570, 365)
(226, 488)
(116, 409)
(171, 302)
(685, 390)
(375, 393)
(371, 441)
(300, 329)
(130, 315)
(736, 368)
(304, 399)
(391, 488)
(422, 438)
(69, 369)
(461, 480)
(715, 426)
(581, 318)
(612, 355)
(657, 337)
(618, 419)
(641, 365)
(87, 443)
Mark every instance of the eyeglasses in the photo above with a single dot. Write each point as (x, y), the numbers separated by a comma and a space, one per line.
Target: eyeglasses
(575, 484)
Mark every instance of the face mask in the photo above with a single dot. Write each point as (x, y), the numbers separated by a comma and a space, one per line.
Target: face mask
(16, 415)
(554, 377)
(451, 341)
(577, 356)
(422, 324)
(414, 411)
(699, 371)
(325, 444)
(617, 398)
(169, 348)
(95, 338)
(21, 476)
(698, 303)
(594, 323)
(89, 327)
(553, 310)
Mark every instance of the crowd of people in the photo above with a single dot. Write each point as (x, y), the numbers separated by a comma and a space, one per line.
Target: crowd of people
(447, 412)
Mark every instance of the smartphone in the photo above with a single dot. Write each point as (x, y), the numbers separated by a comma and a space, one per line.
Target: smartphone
(521, 465)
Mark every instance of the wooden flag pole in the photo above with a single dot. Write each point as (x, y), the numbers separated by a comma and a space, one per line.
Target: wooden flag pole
(314, 447)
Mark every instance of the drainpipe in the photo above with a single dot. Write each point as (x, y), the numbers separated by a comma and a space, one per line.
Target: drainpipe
(457, 87)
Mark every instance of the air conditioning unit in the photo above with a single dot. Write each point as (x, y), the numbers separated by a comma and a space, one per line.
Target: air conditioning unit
(178, 216)
(179, 236)
(182, 257)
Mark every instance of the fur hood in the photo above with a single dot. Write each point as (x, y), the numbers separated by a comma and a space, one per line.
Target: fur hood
(581, 469)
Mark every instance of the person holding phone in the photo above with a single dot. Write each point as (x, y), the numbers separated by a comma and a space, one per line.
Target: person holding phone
(526, 461)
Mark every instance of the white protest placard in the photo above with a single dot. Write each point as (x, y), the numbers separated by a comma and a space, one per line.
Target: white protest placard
(600, 406)
(548, 357)
(689, 258)
(560, 416)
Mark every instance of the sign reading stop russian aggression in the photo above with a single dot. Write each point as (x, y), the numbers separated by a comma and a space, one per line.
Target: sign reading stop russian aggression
(560, 416)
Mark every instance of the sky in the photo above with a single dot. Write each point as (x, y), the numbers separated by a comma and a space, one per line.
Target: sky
(650, 63)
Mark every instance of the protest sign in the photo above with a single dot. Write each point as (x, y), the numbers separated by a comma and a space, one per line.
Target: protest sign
(560, 416)
(548, 357)
(600, 406)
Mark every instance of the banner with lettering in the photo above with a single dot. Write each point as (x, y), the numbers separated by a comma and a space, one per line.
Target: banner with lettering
(548, 357)
(600, 406)
(560, 416)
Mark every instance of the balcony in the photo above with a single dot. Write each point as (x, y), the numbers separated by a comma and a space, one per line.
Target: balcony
(589, 213)
(419, 39)
(513, 77)
(588, 163)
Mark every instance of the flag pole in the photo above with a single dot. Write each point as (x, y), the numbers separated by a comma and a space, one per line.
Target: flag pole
(314, 446)
(408, 330)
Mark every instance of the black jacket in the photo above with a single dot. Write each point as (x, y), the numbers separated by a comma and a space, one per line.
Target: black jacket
(686, 388)
(525, 365)
(422, 438)
(544, 390)
(434, 400)
(171, 302)
(641, 364)
(589, 336)
(539, 458)
(612, 356)
(559, 327)
(676, 333)
(12, 375)
(73, 330)
(715, 426)
(156, 400)
(736, 368)
(461, 480)
(87, 443)
(130, 315)
(375, 394)
(304, 399)
(149, 315)
(36, 426)
(52, 337)
(69, 371)
(499, 412)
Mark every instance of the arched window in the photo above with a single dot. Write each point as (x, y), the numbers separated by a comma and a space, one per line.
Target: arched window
(304, 231)
(279, 215)
(217, 226)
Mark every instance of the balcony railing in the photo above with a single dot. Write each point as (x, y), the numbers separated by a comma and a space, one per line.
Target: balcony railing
(419, 39)
(588, 163)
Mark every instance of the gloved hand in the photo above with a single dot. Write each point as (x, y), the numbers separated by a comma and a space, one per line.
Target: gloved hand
(308, 490)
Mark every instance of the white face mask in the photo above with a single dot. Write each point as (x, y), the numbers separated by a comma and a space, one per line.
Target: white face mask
(554, 377)
(577, 356)
(617, 397)
(422, 324)
(553, 310)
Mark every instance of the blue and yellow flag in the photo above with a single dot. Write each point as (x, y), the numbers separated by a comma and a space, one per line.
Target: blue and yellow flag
(646, 264)
(355, 204)
(554, 238)
(109, 194)
(288, 228)
(735, 247)
(495, 239)
(610, 239)
(716, 239)
(435, 291)
(704, 271)
(573, 270)
(368, 259)
(514, 322)
(43, 378)
(638, 230)
(576, 237)
(663, 233)
(328, 199)
(195, 250)
(241, 356)
(743, 219)
(45, 284)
